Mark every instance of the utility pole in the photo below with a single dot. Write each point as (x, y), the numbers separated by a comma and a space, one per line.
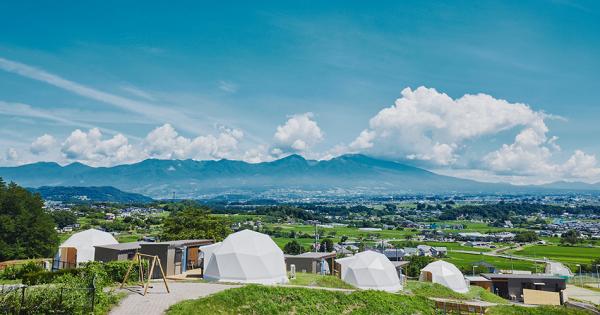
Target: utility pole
(316, 236)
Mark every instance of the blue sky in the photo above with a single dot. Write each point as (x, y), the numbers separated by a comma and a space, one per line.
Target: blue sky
(257, 81)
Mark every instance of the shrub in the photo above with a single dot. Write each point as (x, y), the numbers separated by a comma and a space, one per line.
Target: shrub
(44, 277)
(14, 272)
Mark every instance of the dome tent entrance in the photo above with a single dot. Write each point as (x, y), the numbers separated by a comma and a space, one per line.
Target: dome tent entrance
(246, 257)
(79, 248)
(445, 274)
(370, 270)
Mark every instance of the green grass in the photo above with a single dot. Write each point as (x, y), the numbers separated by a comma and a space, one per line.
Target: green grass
(567, 254)
(254, 299)
(542, 310)
(439, 291)
(464, 262)
(315, 280)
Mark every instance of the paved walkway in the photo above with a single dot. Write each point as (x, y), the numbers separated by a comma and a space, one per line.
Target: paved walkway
(582, 294)
(157, 301)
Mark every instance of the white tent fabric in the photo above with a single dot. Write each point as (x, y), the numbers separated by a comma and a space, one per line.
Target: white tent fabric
(246, 257)
(207, 252)
(445, 274)
(85, 241)
(370, 270)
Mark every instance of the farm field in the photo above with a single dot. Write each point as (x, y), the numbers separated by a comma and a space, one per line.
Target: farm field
(465, 262)
(566, 254)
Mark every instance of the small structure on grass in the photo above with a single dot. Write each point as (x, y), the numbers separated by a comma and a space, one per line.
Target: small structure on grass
(176, 256)
(529, 288)
(369, 270)
(311, 262)
(246, 257)
(112, 252)
(445, 274)
(79, 248)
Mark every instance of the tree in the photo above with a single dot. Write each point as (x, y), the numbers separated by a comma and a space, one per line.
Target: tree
(327, 245)
(343, 239)
(416, 264)
(570, 237)
(26, 230)
(293, 248)
(194, 222)
(526, 236)
(64, 218)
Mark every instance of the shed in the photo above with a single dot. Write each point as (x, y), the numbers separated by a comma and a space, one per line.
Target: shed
(176, 257)
(512, 286)
(112, 252)
(311, 262)
(480, 282)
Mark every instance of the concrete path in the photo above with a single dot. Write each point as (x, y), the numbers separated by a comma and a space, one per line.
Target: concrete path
(582, 294)
(157, 301)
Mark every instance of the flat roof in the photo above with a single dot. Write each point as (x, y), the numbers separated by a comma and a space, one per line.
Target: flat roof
(312, 255)
(520, 276)
(477, 279)
(399, 264)
(179, 243)
(122, 246)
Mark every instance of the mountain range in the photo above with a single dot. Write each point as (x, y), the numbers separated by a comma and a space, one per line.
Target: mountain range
(80, 194)
(345, 175)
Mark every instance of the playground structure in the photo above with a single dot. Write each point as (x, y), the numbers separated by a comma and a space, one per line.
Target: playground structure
(144, 277)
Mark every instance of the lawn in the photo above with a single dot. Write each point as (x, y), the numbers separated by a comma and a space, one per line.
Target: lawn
(316, 280)
(439, 291)
(254, 299)
(465, 262)
(567, 254)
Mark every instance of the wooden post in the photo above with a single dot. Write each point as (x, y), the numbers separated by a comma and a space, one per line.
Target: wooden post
(150, 275)
(163, 274)
(128, 271)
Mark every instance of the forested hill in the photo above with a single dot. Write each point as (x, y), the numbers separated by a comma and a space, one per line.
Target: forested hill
(89, 194)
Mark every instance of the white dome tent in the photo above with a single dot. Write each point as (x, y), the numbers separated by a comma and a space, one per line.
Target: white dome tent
(79, 248)
(370, 270)
(246, 257)
(445, 274)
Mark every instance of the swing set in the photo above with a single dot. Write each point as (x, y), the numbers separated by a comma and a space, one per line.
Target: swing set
(143, 277)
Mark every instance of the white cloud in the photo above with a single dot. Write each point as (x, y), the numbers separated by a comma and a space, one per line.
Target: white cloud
(42, 144)
(228, 87)
(154, 112)
(12, 155)
(165, 142)
(427, 125)
(299, 133)
(90, 148)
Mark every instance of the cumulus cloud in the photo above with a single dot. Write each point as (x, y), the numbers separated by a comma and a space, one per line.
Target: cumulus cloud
(299, 133)
(427, 125)
(165, 142)
(90, 148)
(42, 144)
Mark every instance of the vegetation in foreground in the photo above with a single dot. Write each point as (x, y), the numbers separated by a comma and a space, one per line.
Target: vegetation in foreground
(315, 280)
(440, 291)
(255, 299)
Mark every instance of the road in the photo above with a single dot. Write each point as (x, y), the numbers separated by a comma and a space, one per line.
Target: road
(582, 294)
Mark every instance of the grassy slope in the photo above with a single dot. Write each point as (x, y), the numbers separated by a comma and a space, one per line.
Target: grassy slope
(315, 280)
(439, 291)
(255, 299)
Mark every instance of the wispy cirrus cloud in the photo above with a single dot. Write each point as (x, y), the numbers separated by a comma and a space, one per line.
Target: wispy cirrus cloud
(156, 113)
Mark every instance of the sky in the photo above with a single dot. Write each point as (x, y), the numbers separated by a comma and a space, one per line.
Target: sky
(488, 90)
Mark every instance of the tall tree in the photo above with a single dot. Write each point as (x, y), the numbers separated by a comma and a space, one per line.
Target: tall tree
(293, 248)
(194, 222)
(26, 230)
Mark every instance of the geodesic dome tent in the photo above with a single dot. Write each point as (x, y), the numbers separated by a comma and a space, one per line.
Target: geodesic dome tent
(207, 252)
(370, 270)
(79, 247)
(445, 274)
(246, 257)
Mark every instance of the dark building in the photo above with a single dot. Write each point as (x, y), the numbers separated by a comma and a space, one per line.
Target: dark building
(310, 262)
(121, 251)
(175, 257)
(511, 286)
